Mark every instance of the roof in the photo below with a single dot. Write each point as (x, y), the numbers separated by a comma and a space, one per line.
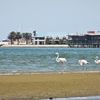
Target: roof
(93, 33)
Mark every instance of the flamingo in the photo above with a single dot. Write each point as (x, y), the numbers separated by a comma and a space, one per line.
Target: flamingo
(60, 60)
(83, 62)
(97, 61)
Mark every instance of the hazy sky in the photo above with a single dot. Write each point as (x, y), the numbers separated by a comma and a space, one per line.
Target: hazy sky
(49, 16)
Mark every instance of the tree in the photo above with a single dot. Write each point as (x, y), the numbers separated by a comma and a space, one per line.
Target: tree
(12, 37)
(27, 37)
(34, 33)
(18, 37)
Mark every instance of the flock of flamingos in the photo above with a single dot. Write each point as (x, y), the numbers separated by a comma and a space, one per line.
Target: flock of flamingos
(81, 61)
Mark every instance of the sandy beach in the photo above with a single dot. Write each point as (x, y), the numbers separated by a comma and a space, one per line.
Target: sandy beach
(44, 85)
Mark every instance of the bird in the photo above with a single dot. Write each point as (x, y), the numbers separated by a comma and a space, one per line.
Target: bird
(96, 60)
(60, 60)
(83, 62)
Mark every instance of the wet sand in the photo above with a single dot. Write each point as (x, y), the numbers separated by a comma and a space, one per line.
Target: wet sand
(44, 85)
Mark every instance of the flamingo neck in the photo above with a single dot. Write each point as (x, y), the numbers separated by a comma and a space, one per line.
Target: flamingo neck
(57, 58)
(96, 60)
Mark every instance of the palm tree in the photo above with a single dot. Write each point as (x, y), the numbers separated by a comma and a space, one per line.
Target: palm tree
(27, 37)
(12, 37)
(18, 37)
(34, 33)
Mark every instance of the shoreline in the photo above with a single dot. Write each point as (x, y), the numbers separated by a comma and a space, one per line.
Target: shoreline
(78, 98)
(37, 46)
(42, 86)
(51, 72)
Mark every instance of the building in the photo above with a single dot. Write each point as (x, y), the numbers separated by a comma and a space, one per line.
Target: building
(39, 40)
(4, 42)
(91, 39)
(56, 40)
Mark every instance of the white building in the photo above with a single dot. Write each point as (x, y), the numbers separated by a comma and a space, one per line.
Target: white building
(5, 42)
(39, 40)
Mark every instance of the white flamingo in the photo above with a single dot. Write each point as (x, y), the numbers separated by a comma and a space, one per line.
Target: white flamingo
(83, 62)
(97, 61)
(60, 60)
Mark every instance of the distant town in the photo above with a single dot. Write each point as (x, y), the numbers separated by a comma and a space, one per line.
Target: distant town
(90, 39)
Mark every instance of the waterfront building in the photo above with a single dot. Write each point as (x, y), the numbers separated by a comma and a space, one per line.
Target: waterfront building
(91, 39)
(56, 40)
(4, 42)
(38, 40)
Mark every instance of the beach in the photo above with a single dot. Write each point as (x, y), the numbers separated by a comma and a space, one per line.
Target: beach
(36, 86)
(37, 46)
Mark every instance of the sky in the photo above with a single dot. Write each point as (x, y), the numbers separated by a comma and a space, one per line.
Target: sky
(49, 17)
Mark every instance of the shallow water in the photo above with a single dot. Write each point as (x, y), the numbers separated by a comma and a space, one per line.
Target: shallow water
(44, 59)
(77, 98)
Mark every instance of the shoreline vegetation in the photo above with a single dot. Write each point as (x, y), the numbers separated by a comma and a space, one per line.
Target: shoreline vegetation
(38, 86)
